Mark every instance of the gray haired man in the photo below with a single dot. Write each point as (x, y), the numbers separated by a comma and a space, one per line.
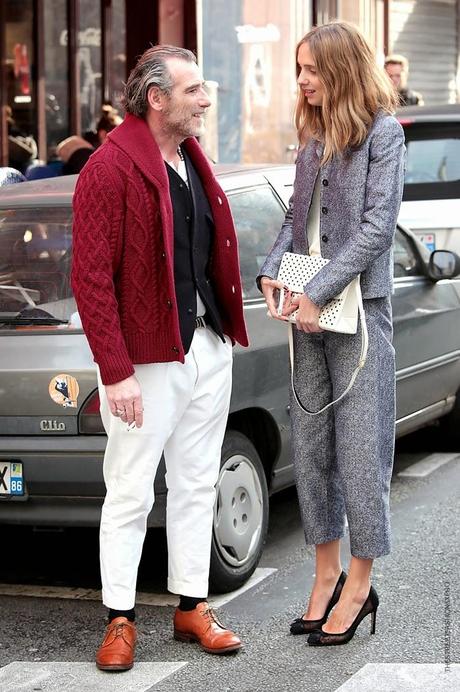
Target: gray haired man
(160, 318)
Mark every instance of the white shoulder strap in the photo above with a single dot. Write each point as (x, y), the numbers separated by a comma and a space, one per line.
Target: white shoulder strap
(361, 362)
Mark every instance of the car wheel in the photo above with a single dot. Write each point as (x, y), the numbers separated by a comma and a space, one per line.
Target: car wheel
(240, 515)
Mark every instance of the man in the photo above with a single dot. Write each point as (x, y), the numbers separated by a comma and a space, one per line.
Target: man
(397, 68)
(156, 279)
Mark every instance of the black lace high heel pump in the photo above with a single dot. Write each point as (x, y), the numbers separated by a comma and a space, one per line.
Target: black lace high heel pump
(301, 626)
(370, 605)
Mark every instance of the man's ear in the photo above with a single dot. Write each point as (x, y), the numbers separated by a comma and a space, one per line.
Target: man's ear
(156, 98)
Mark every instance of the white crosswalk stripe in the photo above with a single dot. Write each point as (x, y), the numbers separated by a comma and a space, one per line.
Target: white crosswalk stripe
(402, 677)
(427, 465)
(22, 676)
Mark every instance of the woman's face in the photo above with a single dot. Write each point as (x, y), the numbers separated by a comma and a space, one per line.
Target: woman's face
(308, 79)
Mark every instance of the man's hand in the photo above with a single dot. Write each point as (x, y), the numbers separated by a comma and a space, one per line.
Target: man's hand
(308, 315)
(125, 400)
(269, 289)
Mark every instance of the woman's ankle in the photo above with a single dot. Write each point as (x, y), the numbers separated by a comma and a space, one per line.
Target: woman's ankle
(328, 576)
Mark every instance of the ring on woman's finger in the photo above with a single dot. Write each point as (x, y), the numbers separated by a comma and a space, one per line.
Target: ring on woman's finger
(120, 411)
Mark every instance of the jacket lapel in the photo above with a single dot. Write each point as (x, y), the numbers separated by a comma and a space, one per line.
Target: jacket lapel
(135, 139)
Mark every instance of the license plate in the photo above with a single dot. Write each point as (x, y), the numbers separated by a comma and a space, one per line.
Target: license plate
(429, 239)
(11, 479)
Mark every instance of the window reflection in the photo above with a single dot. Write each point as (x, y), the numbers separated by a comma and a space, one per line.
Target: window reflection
(258, 217)
(35, 252)
(90, 64)
(433, 160)
(405, 261)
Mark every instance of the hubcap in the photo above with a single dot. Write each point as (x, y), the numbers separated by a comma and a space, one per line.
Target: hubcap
(238, 512)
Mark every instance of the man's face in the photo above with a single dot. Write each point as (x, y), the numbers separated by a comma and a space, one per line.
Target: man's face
(183, 112)
(395, 73)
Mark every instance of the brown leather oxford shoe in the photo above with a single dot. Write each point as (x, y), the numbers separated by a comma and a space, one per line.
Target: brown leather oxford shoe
(201, 625)
(117, 650)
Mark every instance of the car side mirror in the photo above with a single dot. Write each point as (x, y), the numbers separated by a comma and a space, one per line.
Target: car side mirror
(444, 264)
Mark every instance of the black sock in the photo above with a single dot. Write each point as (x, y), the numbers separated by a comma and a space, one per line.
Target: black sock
(130, 614)
(187, 603)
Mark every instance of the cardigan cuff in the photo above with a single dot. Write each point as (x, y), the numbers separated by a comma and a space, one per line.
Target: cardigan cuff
(114, 369)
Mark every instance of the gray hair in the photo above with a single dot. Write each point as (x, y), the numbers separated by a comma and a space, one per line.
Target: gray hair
(151, 71)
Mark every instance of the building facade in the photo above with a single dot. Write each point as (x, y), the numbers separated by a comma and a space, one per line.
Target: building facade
(62, 59)
(427, 33)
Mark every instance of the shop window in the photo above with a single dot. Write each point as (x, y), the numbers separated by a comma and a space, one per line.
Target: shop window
(90, 64)
(56, 73)
(21, 93)
(248, 53)
(118, 64)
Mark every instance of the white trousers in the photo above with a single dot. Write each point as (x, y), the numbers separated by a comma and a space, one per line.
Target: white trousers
(185, 415)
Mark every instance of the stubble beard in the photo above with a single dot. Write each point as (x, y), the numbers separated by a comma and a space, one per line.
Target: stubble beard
(182, 127)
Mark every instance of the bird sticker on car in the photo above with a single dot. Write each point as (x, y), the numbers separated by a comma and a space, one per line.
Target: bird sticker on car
(63, 390)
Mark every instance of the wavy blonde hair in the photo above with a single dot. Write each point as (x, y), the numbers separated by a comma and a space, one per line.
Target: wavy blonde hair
(355, 88)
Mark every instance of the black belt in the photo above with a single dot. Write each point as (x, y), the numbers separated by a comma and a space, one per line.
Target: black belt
(200, 322)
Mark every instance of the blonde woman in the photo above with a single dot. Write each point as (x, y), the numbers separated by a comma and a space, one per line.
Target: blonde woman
(347, 193)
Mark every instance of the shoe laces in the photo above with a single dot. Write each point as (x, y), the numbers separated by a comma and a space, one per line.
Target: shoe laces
(209, 614)
(118, 629)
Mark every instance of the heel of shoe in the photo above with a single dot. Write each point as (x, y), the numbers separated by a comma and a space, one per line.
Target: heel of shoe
(183, 637)
(373, 619)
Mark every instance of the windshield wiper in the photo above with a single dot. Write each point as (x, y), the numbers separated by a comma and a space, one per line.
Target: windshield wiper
(24, 319)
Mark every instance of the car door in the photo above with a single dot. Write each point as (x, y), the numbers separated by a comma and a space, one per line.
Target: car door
(261, 373)
(426, 315)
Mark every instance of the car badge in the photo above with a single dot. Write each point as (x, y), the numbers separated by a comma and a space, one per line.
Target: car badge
(52, 426)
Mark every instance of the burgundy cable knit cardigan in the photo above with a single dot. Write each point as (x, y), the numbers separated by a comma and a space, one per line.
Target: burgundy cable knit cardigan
(123, 271)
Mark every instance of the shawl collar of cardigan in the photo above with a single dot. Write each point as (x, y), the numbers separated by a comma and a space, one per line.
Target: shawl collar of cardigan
(134, 137)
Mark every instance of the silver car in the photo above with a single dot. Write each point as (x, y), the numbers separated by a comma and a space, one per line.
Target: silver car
(51, 436)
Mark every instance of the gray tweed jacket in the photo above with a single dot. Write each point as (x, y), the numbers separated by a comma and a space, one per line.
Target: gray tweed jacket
(361, 193)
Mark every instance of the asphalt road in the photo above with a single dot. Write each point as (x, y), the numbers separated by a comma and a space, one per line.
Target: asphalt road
(417, 623)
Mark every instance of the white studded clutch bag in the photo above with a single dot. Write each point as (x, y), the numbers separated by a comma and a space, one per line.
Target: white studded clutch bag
(339, 315)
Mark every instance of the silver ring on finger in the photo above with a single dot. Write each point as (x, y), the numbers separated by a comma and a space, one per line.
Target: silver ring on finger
(120, 411)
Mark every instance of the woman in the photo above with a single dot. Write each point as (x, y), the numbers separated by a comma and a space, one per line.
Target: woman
(347, 193)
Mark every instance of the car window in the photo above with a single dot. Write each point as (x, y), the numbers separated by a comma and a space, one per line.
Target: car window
(258, 216)
(405, 261)
(433, 160)
(35, 256)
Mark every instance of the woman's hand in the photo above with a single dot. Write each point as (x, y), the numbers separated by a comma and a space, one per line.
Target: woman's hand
(269, 288)
(308, 315)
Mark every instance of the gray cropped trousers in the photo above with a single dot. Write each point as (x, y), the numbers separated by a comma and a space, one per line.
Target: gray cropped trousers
(343, 458)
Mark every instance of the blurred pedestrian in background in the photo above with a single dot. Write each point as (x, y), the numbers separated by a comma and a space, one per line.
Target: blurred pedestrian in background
(108, 121)
(397, 68)
(74, 152)
(22, 147)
